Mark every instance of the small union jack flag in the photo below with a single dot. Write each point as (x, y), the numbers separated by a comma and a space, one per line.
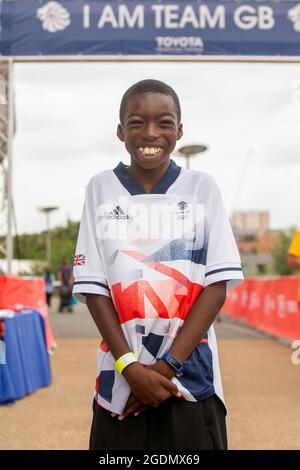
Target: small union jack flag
(79, 260)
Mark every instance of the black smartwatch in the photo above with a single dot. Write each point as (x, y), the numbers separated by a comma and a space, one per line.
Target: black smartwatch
(172, 361)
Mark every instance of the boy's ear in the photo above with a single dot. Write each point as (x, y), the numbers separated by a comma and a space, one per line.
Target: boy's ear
(120, 133)
(180, 131)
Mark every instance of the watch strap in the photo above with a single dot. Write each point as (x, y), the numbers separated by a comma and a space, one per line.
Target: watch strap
(173, 363)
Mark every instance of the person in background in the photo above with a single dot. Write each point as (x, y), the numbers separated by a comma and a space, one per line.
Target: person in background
(65, 276)
(49, 285)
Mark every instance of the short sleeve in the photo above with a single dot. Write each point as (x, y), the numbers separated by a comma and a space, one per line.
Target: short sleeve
(223, 261)
(294, 249)
(88, 269)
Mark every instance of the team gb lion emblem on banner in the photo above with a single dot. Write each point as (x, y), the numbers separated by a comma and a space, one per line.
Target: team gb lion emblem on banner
(54, 17)
(294, 16)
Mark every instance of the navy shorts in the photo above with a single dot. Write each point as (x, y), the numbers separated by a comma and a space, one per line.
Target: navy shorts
(174, 425)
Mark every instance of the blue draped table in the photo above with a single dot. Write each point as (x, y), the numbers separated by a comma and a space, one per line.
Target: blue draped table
(27, 366)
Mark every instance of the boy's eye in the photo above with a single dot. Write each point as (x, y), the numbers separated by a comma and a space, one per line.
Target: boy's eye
(135, 123)
(166, 123)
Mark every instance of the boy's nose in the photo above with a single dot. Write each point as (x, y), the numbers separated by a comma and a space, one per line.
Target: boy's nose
(151, 131)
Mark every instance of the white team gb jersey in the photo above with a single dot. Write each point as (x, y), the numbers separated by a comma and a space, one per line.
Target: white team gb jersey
(153, 254)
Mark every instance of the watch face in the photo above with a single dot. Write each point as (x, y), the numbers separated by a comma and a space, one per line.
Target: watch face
(173, 361)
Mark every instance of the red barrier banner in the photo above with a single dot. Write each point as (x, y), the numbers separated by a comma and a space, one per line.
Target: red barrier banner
(270, 305)
(16, 292)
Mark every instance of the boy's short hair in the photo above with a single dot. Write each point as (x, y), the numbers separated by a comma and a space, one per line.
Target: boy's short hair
(149, 86)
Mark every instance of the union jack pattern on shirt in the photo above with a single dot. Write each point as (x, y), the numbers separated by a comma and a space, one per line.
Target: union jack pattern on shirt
(79, 260)
(153, 281)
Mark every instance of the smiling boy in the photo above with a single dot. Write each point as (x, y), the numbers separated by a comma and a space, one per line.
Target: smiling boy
(156, 253)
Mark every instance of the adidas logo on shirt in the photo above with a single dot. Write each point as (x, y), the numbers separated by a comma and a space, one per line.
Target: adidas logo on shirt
(117, 213)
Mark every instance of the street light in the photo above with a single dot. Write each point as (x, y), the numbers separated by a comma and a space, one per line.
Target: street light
(47, 210)
(190, 151)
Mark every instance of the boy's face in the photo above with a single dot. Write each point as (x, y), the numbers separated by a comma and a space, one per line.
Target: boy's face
(150, 129)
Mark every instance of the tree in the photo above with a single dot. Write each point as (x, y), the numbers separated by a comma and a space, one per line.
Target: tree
(63, 243)
(33, 246)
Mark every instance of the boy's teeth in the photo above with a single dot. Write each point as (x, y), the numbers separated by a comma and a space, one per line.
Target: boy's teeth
(150, 150)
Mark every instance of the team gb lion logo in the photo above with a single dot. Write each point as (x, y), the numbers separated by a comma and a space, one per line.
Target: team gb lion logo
(54, 17)
(294, 16)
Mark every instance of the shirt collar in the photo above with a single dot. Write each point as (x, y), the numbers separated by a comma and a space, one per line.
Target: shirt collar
(161, 187)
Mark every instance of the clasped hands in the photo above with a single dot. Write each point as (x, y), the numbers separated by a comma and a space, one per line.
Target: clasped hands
(150, 386)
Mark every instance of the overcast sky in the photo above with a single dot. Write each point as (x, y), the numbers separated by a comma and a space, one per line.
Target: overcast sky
(247, 114)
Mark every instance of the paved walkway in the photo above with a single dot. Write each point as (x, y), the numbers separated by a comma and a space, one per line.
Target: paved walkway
(260, 383)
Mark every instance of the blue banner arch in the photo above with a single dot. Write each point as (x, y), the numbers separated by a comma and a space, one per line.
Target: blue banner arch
(149, 28)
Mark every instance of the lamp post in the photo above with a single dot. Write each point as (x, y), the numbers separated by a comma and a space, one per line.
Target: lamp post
(47, 211)
(190, 151)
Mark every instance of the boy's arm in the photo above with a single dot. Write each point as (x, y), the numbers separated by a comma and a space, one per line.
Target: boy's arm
(147, 385)
(196, 324)
(198, 321)
(103, 312)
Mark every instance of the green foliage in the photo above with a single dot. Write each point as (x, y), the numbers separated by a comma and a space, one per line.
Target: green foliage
(37, 269)
(63, 243)
(33, 246)
(280, 251)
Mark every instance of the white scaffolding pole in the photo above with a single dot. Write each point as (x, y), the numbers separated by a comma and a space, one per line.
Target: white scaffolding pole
(6, 140)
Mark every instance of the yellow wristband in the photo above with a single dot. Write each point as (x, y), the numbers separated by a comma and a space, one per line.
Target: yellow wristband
(124, 361)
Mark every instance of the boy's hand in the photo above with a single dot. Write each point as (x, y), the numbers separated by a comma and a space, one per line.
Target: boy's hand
(150, 387)
(162, 368)
(134, 405)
